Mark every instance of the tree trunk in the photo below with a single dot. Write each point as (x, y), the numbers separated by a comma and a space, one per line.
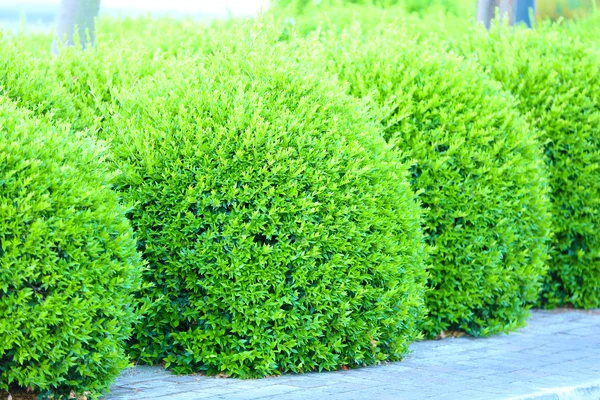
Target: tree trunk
(522, 10)
(76, 15)
(515, 11)
(505, 8)
(485, 12)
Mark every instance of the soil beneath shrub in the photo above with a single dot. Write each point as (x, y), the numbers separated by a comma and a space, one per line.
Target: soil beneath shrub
(18, 395)
(22, 394)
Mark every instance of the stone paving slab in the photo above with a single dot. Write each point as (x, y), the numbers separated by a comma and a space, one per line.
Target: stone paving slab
(556, 357)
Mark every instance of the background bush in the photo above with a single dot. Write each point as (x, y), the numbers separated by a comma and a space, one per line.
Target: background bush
(476, 164)
(411, 6)
(279, 229)
(558, 88)
(68, 261)
(77, 87)
(422, 19)
(586, 30)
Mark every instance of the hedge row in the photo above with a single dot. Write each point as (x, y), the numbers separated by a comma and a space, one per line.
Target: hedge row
(299, 201)
(279, 230)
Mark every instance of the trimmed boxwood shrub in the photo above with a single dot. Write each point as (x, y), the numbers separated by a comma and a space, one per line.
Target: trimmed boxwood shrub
(280, 231)
(477, 166)
(68, 262)
(558, 86)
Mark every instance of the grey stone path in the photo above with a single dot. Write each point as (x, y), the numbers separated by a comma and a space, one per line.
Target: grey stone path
(557, 356)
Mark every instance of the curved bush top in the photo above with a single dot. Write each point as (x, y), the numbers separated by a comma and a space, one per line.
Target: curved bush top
(68, 262)
(280, 231)
(477, 165)
(558, 85)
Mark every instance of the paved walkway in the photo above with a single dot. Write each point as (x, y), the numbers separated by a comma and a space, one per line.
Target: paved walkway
(556, 357)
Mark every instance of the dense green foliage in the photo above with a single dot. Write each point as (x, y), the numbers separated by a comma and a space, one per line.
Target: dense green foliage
(565, 9)
(477, 165)
(273, 201)
(557, 83)
(68, 261)
(587, 29)
(372, 253)
(336, 16)
(412, 6)
(76, 87)
(279, 230)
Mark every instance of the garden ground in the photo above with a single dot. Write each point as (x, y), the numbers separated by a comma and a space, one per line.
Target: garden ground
(557, 356)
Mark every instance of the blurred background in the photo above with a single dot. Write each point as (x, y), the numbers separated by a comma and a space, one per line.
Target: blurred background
(41, 14)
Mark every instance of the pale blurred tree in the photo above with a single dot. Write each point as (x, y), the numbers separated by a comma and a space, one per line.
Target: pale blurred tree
(485, 11)
(517, 11)
(76, 16)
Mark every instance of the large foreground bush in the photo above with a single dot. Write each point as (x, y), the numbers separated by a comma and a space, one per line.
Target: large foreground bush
(68, 262)
(477, 165)
(280, 231)
(558, 85)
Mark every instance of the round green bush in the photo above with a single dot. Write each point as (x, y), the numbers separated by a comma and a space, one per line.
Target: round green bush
(477, 166)
(558, 87)
(280, 232)
(68, 262)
